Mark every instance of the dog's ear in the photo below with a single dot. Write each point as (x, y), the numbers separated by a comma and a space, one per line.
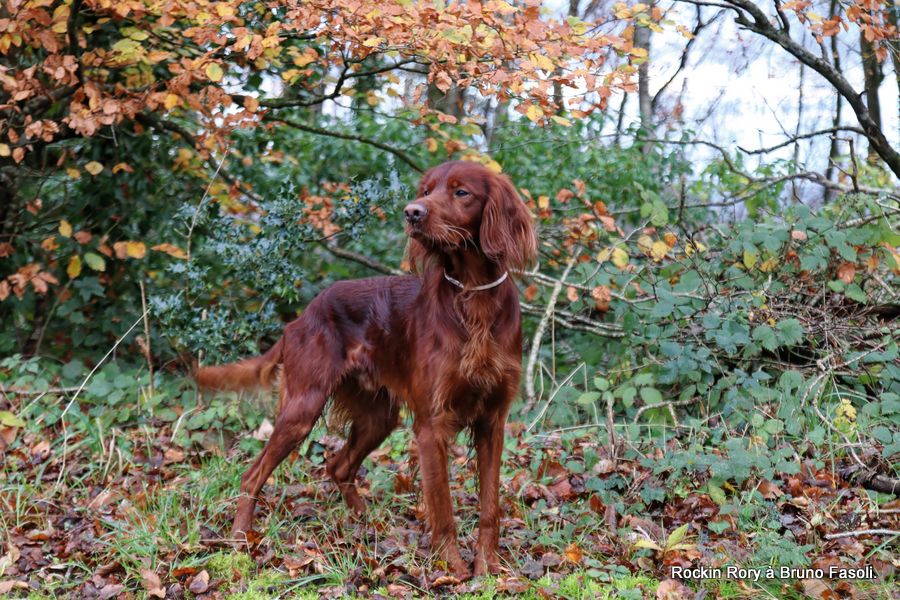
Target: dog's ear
(507, 232)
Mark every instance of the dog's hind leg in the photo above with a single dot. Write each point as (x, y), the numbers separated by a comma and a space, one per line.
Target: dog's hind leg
(297, 415)
(372, 417)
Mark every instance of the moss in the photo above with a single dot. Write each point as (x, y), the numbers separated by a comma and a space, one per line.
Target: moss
(224, 564)
(258, 588)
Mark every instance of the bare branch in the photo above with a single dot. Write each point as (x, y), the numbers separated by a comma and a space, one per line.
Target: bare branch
(348, 136)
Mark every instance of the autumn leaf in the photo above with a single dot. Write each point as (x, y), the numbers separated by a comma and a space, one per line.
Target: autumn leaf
(199, 583)
(750, 258)
(572, 294)
(619, 257)
(73, 270)
(658, 250)
(602, 296)
(214, 72)
(645, 243)
(846, 272)
(534, 113)
(4, 150)
(574, 553)
(65, 228)
(152, 584)
(171, 250)
(93, 167)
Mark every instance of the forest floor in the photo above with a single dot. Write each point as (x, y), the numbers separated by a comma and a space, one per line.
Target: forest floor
(121, 510)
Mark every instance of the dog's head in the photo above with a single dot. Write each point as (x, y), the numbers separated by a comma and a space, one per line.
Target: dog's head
(463, 205)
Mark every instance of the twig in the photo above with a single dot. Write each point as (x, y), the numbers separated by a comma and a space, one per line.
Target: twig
(669, 405)
(190, 232)
(147, 353)
(543, 411)
(62, 417)
(539, 333)
(861, 532)
(363, 260)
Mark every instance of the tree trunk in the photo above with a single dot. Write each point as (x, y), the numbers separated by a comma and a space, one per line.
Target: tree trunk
(873, 76)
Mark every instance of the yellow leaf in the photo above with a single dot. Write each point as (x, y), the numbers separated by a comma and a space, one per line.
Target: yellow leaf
(639, 52)
(543, 202)
(301, 60)
(645, 243)
(769, 265)
(224, 10)
(431, 144)
(534, 113)
(214, 72)
(642, 543)
(692, 247)
(750, 258)
(670, 239)
(619, 258)
(373, 42)
(4, 150)
(135, 249)
(73, 173)
(604, 255)
(541, 61)
(658, 250)
(93, 167)
(171, 101)
(74, 268)
(65, 228)
(561, 121)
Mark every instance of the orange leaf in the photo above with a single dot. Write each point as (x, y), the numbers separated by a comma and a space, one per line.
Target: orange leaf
(171, 250)
(846, 272)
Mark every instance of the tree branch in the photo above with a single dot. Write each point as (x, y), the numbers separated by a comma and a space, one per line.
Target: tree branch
(752, 17)
(347, 136)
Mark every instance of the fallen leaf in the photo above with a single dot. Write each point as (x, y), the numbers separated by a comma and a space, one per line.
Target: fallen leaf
(672, 589)
(199, 583)
(152, 584)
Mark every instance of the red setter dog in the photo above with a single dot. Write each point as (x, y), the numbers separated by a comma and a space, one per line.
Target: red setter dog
(447, 342)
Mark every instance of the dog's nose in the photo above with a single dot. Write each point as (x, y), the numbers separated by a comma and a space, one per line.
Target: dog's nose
(415, 213)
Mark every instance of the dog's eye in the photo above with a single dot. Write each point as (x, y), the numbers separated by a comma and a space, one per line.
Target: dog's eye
(425, 193)
(461, 193)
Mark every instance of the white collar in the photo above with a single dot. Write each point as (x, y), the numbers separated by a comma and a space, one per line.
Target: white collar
(476, 288)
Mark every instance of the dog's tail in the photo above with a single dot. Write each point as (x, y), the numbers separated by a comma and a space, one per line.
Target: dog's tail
(258, 371)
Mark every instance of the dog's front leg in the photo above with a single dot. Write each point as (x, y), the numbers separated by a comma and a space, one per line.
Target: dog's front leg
(488, 434)
(432, 445)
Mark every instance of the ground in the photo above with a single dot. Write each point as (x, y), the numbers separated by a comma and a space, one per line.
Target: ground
(138, 508)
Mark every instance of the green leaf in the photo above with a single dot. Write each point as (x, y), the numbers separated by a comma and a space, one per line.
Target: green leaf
(716, 493)
(588, 398)
(7, 419)
(883, 434)
(601, 384)
(651, 395)
(765, 335)
(790, 332)
(854, 292)
(676, 536)
(95, 261)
